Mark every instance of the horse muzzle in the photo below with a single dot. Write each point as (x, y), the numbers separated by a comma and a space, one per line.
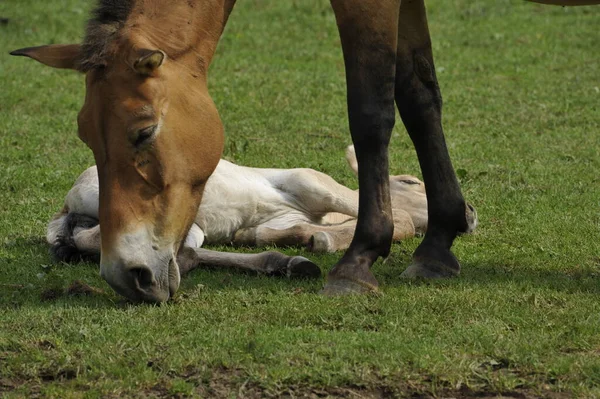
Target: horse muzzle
(141, 274)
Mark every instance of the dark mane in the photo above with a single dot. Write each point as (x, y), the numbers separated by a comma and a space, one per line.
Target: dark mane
(107, 19)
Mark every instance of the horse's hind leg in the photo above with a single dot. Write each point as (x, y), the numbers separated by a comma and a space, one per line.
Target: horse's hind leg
(419, 102)
(368, 32)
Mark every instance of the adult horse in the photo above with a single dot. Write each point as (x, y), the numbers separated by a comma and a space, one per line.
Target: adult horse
(156, 134)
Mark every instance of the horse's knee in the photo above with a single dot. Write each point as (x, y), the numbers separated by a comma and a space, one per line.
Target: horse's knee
(321, 241)
(195, 237)
(417, 91)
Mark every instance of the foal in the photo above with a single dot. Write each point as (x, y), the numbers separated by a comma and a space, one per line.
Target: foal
(253, 207)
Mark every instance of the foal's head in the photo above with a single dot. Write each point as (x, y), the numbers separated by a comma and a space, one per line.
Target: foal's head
(154, 131)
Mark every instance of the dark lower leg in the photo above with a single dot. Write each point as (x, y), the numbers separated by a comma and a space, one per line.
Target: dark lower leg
(419, 101)
(371, 116)
(369, 40)
(374, 227)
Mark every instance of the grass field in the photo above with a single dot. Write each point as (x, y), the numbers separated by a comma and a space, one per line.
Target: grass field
(521, 84)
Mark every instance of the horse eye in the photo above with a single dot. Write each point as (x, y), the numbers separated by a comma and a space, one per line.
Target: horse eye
(143, 135)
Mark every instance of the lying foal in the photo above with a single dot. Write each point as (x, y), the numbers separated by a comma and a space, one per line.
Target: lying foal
(253, 207)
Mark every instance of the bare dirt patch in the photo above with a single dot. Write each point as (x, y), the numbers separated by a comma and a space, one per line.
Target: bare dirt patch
(227, 383)
(76, 288)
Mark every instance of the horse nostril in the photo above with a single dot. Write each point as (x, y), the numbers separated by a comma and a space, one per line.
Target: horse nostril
(142, 276)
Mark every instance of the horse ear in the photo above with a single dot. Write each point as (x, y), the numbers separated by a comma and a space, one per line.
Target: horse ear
(148, 61)
(54, 55)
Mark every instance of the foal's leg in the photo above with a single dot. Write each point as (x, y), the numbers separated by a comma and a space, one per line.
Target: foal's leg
(319, 237)
(368, 32)
(339, 237)
(314, 192)
(315, 237)
(298, 235)
(420, 104)
(75, 236)
(271, 263)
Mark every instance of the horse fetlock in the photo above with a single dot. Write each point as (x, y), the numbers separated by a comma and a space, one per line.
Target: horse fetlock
(377, 239)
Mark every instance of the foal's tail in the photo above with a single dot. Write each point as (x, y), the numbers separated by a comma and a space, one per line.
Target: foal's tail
(60, 236)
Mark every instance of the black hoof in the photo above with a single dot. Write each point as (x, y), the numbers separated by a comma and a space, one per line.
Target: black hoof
(432, 263)
(300, 267)
(351, 275)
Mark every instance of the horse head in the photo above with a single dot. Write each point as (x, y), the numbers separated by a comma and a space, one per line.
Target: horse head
(153, 128)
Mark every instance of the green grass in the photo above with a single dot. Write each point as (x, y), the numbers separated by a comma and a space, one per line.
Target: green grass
(521, 84)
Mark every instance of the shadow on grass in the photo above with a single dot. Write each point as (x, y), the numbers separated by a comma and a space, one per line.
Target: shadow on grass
(40, 281)
(33, 278)
(571, 281)
(36, 279)
(496, 275)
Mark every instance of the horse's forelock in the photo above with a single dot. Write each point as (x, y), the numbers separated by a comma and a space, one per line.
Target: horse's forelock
(108, 18)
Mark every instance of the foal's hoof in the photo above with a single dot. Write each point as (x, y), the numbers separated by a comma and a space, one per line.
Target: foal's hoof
(321, 242)
(429, 269)
(348, 287)
(299, 267)
(472, 219)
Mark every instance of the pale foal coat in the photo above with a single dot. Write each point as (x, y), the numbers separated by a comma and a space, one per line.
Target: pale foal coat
(257, 207)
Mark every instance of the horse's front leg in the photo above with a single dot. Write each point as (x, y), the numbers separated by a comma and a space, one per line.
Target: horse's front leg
(368, 33)
(420, 105)
(270, 263)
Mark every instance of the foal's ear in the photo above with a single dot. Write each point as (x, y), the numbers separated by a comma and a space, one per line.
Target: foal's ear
(147, 61)
(54, 55)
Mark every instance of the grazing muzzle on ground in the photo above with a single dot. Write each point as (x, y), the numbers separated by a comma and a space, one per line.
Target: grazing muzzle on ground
(142, 283)
(140, 271)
